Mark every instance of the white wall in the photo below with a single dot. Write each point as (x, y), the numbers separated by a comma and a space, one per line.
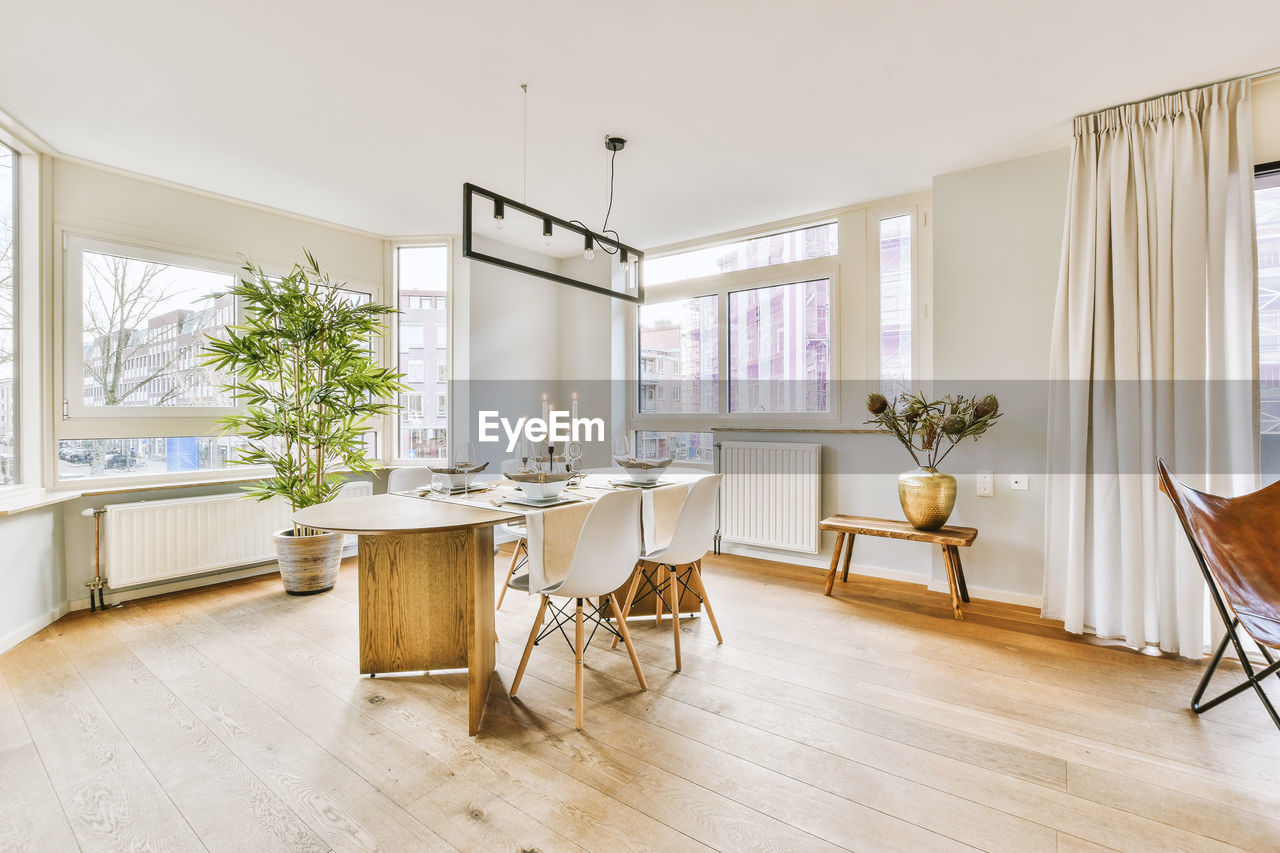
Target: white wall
(31, 573)
(997, 242)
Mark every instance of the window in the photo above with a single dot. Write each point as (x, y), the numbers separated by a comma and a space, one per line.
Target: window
(1267, 217)
(137, 398)
(143, 318)
(80, 459)
(680, 351)
(8, 317)
(422, 282)
(779, 348)
(815, 241)
(412, 337)
(691, 447)
(895, 304)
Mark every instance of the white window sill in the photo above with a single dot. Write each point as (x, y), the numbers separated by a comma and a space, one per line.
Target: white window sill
(33, 499)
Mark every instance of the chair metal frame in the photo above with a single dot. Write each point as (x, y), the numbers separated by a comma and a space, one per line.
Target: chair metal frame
(1229, 620)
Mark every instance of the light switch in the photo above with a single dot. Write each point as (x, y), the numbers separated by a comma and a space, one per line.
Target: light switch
(986, 484)
(1018, 482)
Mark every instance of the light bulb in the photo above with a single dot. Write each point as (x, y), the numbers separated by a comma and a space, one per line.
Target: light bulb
(589, 254)
(546, 231)
(546, 239)
(500, 220)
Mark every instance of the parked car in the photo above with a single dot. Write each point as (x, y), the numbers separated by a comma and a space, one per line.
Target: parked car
(122, 461)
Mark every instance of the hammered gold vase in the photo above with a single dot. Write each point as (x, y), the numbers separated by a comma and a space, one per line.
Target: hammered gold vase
(927, 496)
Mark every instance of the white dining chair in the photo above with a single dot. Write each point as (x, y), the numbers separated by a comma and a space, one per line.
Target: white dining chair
(605, 555)
(404, 479)
(676, 567)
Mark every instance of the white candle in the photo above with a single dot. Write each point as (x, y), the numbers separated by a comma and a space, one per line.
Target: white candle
(573, 407)
(546, 407)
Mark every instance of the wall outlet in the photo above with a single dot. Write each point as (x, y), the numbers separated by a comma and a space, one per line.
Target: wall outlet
(986, 484)
(1018, 482)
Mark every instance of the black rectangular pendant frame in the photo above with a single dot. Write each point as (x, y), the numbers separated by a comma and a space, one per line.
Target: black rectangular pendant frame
(469, 190)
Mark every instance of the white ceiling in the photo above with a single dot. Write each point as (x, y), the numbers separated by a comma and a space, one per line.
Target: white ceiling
(738, 111)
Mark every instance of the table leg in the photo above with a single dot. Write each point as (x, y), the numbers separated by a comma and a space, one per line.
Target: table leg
(848, 555)
(955, 560)
(835, 563)
(482, 632)
(426, 603)
(951, 582)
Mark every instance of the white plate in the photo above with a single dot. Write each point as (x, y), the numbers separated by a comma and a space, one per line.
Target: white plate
(521, 500)
(628, 482)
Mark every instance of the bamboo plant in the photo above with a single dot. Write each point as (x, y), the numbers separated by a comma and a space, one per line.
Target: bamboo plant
(931, 429)
(302, 364)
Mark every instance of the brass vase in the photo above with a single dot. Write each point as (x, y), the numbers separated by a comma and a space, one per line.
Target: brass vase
(927, 496)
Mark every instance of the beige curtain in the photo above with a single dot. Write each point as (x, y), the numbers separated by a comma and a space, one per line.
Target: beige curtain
(1154, 352)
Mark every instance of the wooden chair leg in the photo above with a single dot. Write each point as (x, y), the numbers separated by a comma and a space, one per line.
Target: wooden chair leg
(631, 596)
(696, 575)
(511, 572)
(955, 561)
(835, 563)
(848, 555)
(578, 642)
(951, 582)
(626, 639)
(528, 649)
(673, 594)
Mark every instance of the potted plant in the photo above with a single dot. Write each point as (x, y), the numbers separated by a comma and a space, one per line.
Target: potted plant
(930, 430)
(302, 365)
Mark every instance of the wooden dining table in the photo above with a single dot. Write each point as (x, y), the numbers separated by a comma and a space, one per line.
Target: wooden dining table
(425, 585)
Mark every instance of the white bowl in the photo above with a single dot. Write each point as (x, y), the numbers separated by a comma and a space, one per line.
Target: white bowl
(644, 476)
(543, 491)
(453, 481)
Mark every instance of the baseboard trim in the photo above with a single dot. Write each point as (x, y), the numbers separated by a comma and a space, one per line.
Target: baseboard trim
(819, 562)
(22, 632)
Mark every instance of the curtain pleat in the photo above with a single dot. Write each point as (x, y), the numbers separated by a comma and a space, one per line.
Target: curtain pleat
(1154, 352)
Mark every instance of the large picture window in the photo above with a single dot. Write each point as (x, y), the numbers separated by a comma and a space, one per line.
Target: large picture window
(137, 322)
(422, 287)
(143, 327)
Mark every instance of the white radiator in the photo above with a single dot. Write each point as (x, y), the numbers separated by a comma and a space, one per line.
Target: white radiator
(150, 541)
(770, 494)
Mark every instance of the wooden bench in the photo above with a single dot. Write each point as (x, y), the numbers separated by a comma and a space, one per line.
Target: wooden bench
(949, 538)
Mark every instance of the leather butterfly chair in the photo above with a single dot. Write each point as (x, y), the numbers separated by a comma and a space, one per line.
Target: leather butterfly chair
(1234, 540)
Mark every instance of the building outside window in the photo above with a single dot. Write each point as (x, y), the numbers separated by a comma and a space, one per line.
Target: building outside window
(422, 282)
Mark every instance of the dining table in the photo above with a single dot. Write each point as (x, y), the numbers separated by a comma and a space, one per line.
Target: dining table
(425, 582)
(426, 572)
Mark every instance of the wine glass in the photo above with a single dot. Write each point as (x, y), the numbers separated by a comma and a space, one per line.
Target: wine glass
(464, 459)
(621, 447)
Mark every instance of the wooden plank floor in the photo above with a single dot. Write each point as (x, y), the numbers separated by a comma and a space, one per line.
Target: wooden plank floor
(233, 718)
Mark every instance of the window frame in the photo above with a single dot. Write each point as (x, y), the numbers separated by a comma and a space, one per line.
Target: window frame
(921, 335)
(391, 454)
(29, 311)
(79, 417)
